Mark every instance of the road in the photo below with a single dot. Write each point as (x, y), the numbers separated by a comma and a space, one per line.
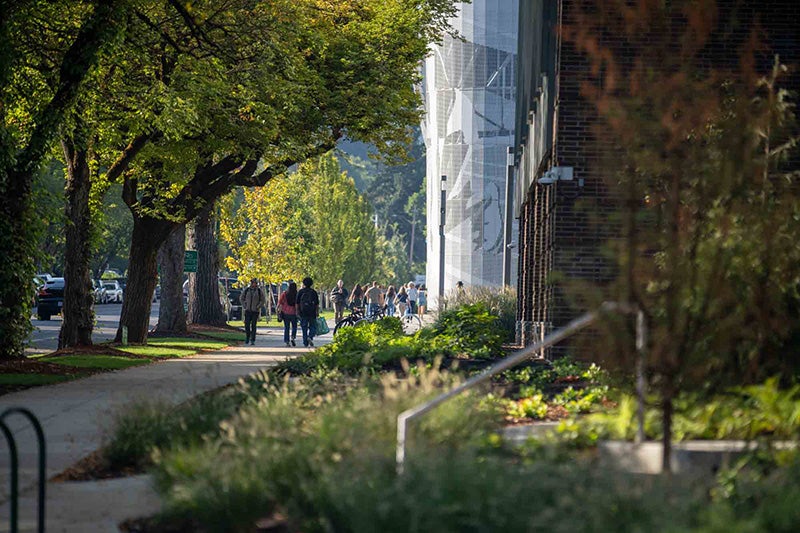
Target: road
(44, 338)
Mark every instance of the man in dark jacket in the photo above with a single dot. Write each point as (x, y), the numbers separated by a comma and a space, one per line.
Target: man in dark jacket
(339, 296)
(252, 300)
(308, 310)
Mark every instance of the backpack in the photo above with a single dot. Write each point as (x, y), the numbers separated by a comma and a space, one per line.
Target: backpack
(307, 303)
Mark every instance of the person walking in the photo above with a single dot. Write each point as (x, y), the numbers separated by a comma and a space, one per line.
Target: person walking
(391, 294)
(356, 296)
(374, 298)
(402, 301)
(253, 300)
(413, 294)
(287, 305)
(339, 296)
(422, 301)
(460, 292)
(308, 311)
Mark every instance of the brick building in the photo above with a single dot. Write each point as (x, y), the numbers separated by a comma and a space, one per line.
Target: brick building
(560, 239)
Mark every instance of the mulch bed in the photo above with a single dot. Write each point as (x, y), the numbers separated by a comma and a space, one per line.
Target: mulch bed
(271, 524)
(31, 366)
(92, 468)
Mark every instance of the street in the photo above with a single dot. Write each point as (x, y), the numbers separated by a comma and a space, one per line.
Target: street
(44, 338)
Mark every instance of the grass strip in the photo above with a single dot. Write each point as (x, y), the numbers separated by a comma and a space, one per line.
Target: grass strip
(225, 335)
(104, 362)
(33, 380)
(159, 351)
(188, 343)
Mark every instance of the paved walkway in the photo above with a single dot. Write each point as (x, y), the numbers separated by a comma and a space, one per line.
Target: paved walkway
(75, 416)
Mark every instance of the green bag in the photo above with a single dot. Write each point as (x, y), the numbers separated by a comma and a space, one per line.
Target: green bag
(322, 326)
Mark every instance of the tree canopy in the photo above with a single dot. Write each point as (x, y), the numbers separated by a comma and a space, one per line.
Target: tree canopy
(312, 222)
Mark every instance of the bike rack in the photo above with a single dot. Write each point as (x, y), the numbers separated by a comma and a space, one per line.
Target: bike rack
(573, 327)
(12, 447)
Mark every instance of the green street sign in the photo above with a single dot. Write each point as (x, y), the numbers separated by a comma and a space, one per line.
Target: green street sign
(190, 261)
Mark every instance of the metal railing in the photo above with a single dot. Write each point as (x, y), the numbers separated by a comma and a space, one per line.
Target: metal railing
(570, 329)
(12, 447)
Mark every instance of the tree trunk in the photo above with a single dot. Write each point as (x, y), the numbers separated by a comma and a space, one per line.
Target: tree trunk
(204, 297)
(18, 167)
(171, 314)
(78, 313)
(17, 250)
(148, 236)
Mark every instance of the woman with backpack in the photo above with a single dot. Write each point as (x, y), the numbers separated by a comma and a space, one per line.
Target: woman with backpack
(287, 305)
(308, 310)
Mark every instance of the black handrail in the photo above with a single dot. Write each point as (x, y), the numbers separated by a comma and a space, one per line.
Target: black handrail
(12, 447)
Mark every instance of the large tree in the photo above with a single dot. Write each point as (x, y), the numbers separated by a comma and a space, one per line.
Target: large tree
(283, 82)
(30, 118)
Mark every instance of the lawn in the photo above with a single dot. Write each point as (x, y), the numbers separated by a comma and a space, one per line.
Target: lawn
(159, 351)
(32, 380)
(189, 343)
(225, 335)
(104, 362)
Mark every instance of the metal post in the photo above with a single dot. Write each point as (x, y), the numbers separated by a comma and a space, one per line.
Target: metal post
(508, 217)
(442, 212)
(641, 385)
(411, 246)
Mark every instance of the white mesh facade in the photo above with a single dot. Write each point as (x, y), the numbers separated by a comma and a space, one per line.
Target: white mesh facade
(469, 89)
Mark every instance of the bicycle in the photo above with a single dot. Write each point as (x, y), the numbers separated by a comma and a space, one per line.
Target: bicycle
(377, 315)
(411, 323)
(356, 314)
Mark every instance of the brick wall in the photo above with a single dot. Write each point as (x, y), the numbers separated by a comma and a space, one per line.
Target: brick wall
(564, 226)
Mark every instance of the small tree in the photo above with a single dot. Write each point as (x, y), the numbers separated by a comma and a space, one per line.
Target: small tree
(708, 216)
(310, 223)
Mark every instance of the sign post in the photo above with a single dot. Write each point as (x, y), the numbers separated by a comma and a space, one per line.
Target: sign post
(190, 261)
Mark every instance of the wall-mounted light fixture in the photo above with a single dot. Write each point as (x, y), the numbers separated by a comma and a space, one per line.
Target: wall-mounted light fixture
(557, 174)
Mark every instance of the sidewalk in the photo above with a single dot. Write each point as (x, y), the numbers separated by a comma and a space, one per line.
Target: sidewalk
(74, 416)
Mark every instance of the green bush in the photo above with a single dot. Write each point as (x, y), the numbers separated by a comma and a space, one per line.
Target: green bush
(468, 329)
(761, 494)
(757, 411)
(500, 302)
(141, 427)
(284, 450)
(366, 346)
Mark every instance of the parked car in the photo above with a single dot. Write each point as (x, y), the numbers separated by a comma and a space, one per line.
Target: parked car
(100, 292)
(157, 293)
(114, 290)
(51, 299)
(236, 305)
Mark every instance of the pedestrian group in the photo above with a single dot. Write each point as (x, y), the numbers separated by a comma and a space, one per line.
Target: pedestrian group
(303, 306)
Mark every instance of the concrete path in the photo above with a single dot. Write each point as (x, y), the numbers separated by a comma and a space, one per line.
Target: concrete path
(75, 416)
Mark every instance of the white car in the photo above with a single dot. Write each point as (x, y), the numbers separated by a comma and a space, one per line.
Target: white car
(113, 290)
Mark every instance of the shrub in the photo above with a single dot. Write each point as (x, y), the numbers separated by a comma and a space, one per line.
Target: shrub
(532, 406)
(285, 449)
(369, 345)
(500, 302)
(141, 427)
(468, 329)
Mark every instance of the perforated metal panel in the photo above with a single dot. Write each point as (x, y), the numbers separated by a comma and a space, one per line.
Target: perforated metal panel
(470, 92)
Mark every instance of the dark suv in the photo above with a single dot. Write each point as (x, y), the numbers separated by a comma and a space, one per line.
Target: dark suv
(236, 305)
(51, 299)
